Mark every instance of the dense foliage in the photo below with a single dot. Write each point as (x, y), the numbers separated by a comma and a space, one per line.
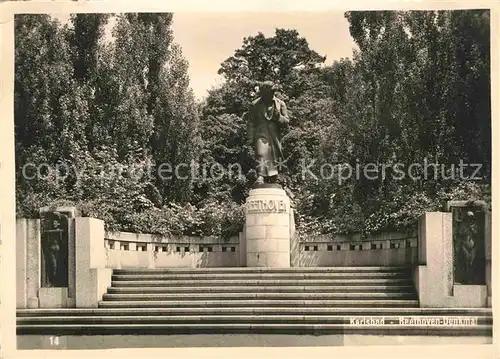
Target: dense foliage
(106, 114)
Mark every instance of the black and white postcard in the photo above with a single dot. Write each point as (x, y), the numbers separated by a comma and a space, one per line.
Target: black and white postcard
(216, 178)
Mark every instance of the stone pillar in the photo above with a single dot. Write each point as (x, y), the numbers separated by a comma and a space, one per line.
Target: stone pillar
(267, 228)
(294, 243)
(28, 263)
(31, 233)
(21, 261)
(488, 256)
(92, 276)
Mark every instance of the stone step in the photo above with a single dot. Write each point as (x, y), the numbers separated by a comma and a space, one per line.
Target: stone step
(366, 311)
(260, 303)
(259, 276)
(267, 289)
(250, 328)
(259, 282)
(248, 270)
(189, 319)
(222, 297)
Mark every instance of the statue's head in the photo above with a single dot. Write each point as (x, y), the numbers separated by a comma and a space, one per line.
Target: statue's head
(57, 217)
(267, 89)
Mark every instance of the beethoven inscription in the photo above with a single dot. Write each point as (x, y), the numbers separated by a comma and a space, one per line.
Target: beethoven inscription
(262, 206)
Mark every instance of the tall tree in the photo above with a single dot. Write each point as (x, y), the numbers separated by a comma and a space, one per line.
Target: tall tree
(413, 99)
(153, 76)
(86, 43)
(50, 111)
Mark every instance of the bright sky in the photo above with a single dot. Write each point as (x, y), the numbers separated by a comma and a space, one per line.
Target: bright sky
(208, 39)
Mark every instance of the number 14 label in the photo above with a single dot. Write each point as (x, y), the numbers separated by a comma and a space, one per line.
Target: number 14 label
(56, 342)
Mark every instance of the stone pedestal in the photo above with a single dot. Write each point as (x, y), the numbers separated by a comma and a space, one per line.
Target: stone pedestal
(53, 297)
(267, 228)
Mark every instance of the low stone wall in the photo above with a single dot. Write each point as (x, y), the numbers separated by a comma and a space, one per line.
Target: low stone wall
(387, 249)
(130, 250)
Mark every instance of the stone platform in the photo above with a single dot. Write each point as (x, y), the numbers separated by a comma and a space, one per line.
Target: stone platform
(259, 301)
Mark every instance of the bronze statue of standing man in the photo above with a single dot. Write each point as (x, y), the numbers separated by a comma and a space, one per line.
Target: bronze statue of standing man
(266, 119)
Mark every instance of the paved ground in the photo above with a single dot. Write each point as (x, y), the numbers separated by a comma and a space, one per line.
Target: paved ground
(231, 340)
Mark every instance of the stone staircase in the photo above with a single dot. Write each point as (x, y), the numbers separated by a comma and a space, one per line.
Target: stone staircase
(337, 300)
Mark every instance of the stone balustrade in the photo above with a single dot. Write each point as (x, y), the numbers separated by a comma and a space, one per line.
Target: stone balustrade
(130, 250)
(386, 249)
